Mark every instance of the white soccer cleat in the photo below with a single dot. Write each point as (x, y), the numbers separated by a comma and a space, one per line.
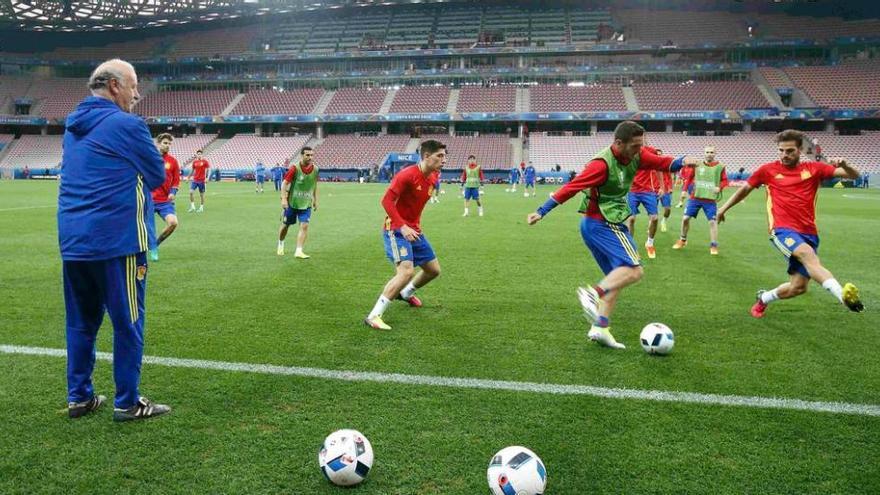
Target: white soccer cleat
(604, 337)
(590, 301)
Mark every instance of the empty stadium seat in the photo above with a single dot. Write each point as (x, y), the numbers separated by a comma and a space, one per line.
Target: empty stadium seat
(699, 95)
(421, 99)
(356, 100)
(492, 151)
(495, 99)
(243, 151)
(271, 102)
(354, 151)
(591, 98)
(185, 103)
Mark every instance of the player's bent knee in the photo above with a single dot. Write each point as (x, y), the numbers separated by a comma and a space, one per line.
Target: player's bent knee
(172, 222)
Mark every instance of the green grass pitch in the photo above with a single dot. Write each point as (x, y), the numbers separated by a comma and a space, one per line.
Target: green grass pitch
(504, 308)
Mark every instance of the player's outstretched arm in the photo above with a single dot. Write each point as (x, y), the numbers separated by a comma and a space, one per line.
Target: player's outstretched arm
(736, 198)
(844, 170)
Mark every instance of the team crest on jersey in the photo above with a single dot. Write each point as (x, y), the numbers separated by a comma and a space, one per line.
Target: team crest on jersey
(419, 187)
(141, 272)
(805, 174)
(403, 252)
(167, 166)
(789, 241)
(779, 176)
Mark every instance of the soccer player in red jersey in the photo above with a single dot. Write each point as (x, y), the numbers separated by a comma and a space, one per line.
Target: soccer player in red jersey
(643, 191)
(665, 195)
(405, 244)
(197, 179)
(791, 205)
(606, 180)
(163, 196)
(686, 178)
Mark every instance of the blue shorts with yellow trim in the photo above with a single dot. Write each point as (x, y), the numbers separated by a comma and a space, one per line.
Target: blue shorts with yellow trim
(611, 244)
(646, 199)
(710, 209)
(197, 185)
(666, 200)
(290, 216)
(164, 209)
(786, 241)
(472, 193)
(398, 249)
(115, 286)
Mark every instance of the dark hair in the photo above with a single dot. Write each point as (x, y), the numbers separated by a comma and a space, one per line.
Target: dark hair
(305, 148)
(471, 156)
(430, 147)
(164, 136)
(627, 130)
(198, 151)
(791, 135)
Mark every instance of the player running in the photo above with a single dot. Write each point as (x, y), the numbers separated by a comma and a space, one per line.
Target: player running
(529, 175)
(197, 179)
(405, 244)
(163, 196)
(606, 181)
(792, 186)
(643, 191)
(299, 196)
(472, 180)
(665, 195)
(709, 179)
(259, 177)
(515, 178)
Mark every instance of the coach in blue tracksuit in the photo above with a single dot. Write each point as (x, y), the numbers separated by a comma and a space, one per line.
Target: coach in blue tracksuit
(277, 175)
(109, 166)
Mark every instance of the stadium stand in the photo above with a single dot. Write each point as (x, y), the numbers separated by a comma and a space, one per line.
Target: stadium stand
(421, 99)
(36, 152)
(776, 78)
(548, 27)
(272, 102)
(406, 29)
(185, 103)
(184, 148)
(845, 86)
(699, 95)
(5, 139)
(458, 27)
(245, 150)
(10, 89)
(211, 43)
(745, 150)
(493, 99)
(355, 151)
(356, 100)
(493, 151)
(584, 24)
(592, 98)
(56, 97)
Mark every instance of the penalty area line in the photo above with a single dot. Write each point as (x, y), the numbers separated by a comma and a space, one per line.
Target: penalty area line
(477, 383)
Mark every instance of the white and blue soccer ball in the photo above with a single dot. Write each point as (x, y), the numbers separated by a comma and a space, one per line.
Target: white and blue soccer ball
(657, 338)
(345, 457)
(516, 471)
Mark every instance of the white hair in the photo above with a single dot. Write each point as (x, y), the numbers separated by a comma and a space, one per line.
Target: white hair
(111, 69)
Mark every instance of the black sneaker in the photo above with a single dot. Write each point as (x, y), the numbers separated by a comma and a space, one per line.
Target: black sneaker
(80, 409)
(142, 409)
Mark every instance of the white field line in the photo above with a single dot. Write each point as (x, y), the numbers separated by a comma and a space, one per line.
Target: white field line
(27, 208)
(476, 383)
(860, 196)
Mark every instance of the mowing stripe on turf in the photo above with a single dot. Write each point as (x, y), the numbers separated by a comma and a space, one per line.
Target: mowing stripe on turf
(441, 381)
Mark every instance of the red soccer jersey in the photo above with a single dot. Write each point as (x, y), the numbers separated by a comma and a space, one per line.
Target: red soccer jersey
(406, 197)
(595, 174)
(687, 177)
(172, 179)
(791, 193)
(291, 172)
(666, 178)
(200, 170)
(645, 181)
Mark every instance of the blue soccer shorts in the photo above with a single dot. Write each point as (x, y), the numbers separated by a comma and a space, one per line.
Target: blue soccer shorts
(710, 209)
(165, 209)
(197, 185)
(472, 193)
(646, 199)
(290, 216)
(398, 248)
(666, 200)
(786, 241)
(611, 244)
(530, 182)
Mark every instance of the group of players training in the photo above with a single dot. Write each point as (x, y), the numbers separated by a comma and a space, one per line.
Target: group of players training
(614, 184)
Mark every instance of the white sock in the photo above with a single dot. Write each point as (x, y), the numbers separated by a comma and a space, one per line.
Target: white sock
(280, 243)
(649, 242)
(299, 250)
(408, 291)
(380, 307)
(481, 210)
(833, 286)
(770, 296)
(465, 211)
(192, 205)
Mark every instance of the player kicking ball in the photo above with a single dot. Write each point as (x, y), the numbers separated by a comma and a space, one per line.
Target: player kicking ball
(791, 204)
(606, 180)
(405, 244)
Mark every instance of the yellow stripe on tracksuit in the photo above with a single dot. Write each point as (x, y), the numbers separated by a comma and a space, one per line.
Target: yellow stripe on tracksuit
(131, 286)
(780, 245)
(141, 224)
(633, 254)
(395, 251)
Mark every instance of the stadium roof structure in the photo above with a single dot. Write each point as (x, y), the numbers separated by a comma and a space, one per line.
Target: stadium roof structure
(109, 15)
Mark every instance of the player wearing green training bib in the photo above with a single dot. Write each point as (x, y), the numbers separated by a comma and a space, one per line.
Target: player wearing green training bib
(472, 180)
(709, 178)
(299, 196)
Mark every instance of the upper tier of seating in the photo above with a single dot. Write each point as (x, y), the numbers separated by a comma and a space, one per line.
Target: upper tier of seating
(845, 86)
(593, 98)
(699, 95)
(356, 100)
(272, 102)
(185, 103)
(495, 99)
(418, 99)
